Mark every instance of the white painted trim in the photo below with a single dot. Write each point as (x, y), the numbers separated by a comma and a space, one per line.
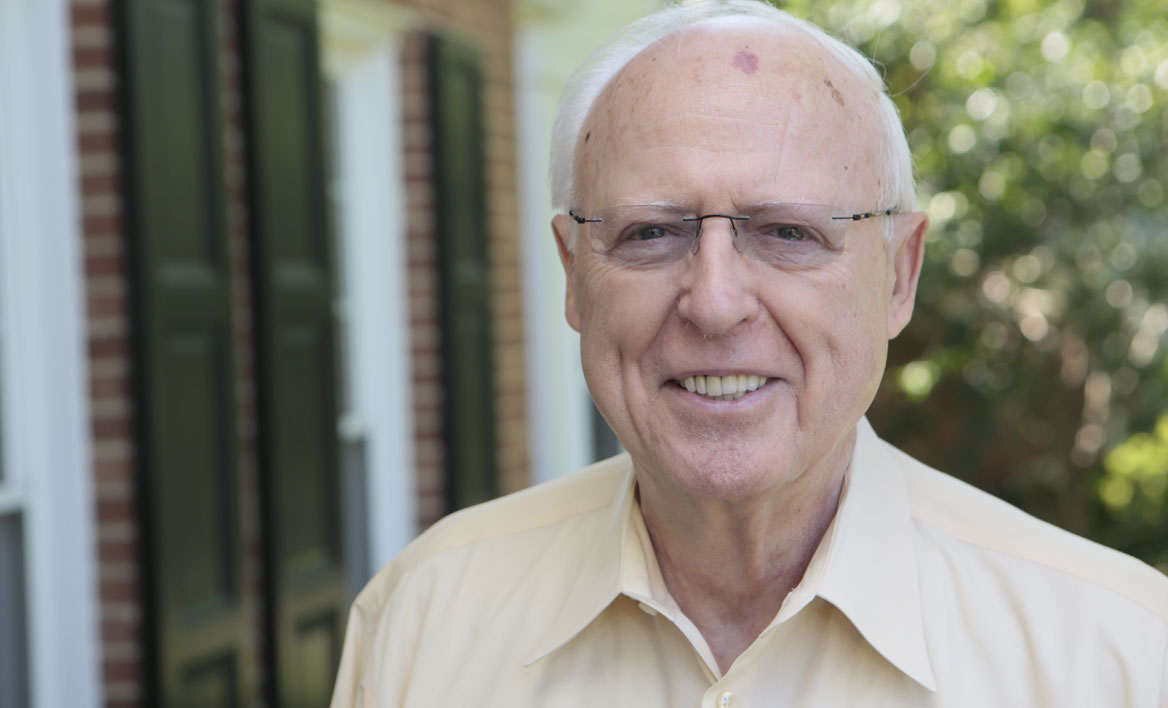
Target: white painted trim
(43, 358)
(350, 29)
(559, 411)
(361, 59)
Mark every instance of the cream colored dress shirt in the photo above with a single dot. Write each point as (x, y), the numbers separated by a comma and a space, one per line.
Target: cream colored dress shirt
(923, 592)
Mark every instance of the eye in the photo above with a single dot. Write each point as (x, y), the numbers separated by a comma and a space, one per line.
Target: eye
(791, 232)
(647, 232)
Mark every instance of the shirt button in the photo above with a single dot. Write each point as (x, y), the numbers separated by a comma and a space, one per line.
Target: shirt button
(646, 609)
(725, 699)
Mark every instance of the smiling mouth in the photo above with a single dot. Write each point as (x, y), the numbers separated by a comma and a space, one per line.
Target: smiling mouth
(722, 388)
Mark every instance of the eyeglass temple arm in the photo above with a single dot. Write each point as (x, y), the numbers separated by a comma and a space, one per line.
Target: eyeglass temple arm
(867, 215)
(581, 220)
(852, 217)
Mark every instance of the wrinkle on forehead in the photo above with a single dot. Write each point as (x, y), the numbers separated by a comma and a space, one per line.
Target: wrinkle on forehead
(745, 55)
(713, 59)
(683, 78)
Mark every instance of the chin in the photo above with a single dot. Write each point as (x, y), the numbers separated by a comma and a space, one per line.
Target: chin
(725, 475)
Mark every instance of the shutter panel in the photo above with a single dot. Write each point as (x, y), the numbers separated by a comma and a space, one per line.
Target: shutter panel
(464, 273)
(198, 645)
(296, 364)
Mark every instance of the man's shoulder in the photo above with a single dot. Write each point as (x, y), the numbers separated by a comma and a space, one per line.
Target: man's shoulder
(549, 503)
(505, 525)
(983, 523)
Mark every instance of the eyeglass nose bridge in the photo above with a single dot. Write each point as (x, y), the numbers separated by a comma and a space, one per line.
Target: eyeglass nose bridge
(697, 239)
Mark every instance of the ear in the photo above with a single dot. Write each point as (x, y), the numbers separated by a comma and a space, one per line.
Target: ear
(908, 252)
(562, 227)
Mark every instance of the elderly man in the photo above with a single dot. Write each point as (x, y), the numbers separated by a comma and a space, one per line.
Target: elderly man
(740, 244)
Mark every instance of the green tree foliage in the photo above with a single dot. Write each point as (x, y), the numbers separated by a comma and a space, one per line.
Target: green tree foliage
(1034, 366)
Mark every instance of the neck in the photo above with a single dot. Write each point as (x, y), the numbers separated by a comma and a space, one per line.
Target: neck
(730, 564)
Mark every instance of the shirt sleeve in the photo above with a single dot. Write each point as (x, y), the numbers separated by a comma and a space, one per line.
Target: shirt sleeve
(348, 690)
(378, 655)
(1164, 680)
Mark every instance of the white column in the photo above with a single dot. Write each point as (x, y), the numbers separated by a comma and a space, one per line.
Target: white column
(43, 361)
(362, 60)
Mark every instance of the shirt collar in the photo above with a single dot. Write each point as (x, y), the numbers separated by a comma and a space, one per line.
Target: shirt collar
(868, 564)
(865, 565)
(599, 579)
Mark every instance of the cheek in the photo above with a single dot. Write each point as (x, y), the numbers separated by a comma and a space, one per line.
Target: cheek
(598, 295)
(842, 315)
(606, 316)
(864, 327)
(622, 315)
(621, 320)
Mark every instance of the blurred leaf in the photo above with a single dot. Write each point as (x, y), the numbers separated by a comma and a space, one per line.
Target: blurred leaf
(1034, 365)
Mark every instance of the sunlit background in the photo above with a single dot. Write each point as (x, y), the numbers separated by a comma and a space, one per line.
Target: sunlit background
(277, 291)
(1034, 365)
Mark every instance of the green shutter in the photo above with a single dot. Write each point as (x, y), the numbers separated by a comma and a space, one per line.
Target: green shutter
(296, 363)
(198, 649)
(464, 272)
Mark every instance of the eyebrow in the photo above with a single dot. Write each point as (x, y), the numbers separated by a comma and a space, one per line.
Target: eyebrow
(739, 208)
(664, 206)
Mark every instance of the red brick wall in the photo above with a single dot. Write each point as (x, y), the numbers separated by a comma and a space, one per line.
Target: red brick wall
(422, 260)
(109, 334)
(486, 23)
(109, 346)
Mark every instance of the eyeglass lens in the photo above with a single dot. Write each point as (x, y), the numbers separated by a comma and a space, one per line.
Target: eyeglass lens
(784, 235)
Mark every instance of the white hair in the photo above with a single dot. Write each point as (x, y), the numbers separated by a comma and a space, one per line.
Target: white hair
(589, 80)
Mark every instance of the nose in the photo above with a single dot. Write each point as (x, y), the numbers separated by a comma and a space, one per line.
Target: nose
(718, 284)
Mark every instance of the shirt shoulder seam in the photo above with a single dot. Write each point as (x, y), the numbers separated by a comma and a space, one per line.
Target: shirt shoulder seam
(1162, 615)
(921, 474)
(456, 532)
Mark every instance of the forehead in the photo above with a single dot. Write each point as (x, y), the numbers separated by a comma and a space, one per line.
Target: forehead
(763, 113)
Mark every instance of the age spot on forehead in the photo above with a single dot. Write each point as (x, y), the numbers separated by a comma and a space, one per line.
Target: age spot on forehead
(746, 61)
(834, 91)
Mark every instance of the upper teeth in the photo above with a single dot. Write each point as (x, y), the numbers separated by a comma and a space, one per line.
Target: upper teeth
(723, 387)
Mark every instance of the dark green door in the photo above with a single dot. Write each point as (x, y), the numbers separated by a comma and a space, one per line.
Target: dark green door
(464, 272)
(198, 651)
(296, 364)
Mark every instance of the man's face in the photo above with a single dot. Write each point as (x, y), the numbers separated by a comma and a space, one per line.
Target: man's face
(719, 120)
